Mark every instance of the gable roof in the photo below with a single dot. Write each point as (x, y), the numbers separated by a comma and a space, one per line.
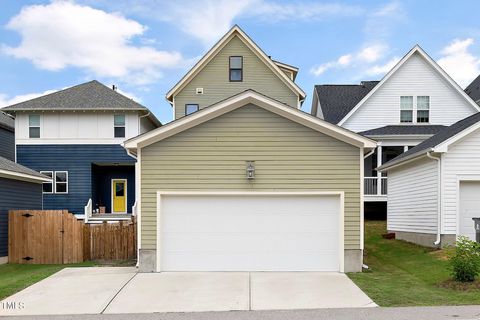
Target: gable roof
(336, 100)
(242, 99)
(235, 31)
(12, 170)
(91, 95)
(7, 122)
(402, 130)
(431, 62)
(434, 144)
(473, 89)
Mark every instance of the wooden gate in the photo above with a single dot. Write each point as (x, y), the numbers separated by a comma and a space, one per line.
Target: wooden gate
(44, 237)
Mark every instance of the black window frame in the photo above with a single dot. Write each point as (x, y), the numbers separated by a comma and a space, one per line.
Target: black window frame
(230, 69)
(191, 104)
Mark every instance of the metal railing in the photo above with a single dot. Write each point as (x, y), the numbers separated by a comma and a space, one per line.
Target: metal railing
(375, 186)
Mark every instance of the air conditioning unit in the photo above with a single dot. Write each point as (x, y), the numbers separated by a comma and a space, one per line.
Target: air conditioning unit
(199, 91)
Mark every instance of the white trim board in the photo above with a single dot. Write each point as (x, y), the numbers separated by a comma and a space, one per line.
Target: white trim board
(340, 194)
(431, 62)
(235, 31)
(243, 99)
(22, 176)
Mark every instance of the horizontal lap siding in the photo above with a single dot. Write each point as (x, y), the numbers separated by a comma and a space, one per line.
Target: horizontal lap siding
(77, 160)
(7, 144)
(16, 195)
(412, 197)
(462, 159)
(288, 157)
(214, 79)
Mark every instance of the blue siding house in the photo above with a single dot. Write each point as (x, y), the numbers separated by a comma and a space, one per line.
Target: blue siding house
(75, 137)
(7, 136)
(26, 186)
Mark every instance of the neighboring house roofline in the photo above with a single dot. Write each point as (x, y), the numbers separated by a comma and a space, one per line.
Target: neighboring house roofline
(431, 62)
(12, 170)
(7, 122)
(235, 31)
(242, 99)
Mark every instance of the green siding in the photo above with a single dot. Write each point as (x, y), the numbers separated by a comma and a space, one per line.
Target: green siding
(213, 78)
(287, 155)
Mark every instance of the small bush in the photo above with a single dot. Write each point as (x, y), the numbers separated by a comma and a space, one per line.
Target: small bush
(465, 260)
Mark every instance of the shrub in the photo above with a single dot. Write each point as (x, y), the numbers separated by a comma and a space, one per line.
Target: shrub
(465, 260)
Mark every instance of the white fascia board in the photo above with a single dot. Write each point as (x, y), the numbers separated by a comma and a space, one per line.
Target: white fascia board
(250, 97)
(218, 46)
(431, 62)
(443, 146)
(22, 176)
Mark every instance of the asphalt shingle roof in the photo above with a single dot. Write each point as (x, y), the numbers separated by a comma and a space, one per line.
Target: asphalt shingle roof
(86, 96)
(8, 165)
(404, 130)
(440, 137)
(473, 89)
(6, 121)
(337, 100)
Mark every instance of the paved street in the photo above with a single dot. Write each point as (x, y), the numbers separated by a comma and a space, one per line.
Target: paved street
(413, 313)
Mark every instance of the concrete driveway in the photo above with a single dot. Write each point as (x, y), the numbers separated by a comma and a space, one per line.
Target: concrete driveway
(122, 290)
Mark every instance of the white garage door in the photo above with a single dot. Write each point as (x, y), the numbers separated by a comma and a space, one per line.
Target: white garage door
(469, 207)
(249, 233)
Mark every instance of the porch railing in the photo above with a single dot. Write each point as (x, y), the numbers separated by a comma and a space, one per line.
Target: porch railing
(88, 210)
(375, 186)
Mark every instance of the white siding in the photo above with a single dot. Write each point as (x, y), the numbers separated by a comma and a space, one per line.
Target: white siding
(75, 127)
(412, 197)
(414, 78)
(461, 162)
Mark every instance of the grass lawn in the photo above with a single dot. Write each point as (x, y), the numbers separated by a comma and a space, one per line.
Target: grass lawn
(15, 277)
(403, 274)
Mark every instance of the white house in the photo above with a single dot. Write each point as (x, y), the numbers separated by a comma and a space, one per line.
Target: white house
(434, 188)
(414, 100)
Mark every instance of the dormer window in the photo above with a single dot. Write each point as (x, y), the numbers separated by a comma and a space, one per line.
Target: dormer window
(119, 125)
(423, 109)
(406, 109)
(236, 69)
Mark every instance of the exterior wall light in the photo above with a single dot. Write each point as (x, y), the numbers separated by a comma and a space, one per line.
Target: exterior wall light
(250, 170)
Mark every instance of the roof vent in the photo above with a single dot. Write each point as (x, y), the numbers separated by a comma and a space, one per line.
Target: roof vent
(199, 91)
(114, 87)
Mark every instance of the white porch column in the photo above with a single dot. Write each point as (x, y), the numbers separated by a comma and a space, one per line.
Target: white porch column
(379, 174)
(405, 148)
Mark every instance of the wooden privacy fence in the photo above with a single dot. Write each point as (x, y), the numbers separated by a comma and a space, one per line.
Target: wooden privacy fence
(56, 236)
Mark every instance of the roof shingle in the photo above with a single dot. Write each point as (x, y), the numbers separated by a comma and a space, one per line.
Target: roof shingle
(6, 121)
(404, 130)
(11, 166)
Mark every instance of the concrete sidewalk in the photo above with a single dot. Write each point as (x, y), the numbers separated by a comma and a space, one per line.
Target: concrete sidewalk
(123, 291)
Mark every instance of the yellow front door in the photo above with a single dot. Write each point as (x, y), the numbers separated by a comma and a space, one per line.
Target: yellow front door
(119, 189)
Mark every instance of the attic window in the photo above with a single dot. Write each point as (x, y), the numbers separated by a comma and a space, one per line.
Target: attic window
(236, 69)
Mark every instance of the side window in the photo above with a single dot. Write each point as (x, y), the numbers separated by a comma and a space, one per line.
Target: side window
(423, 109)
(191, 108)
(47, 186)
(34, 126)
(406, 109)
(119, 125)
(61, 181)
(236, 69)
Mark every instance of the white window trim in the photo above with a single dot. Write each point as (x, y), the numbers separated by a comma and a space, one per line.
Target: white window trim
(39, 126)
(55, 181)
(120, 126)
(51, 182)
(415, 110)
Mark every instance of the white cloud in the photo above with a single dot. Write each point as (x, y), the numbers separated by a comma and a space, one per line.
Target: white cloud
(459, 62)
(64, 34)
(382, 68)
(8, 101)
(366, 55)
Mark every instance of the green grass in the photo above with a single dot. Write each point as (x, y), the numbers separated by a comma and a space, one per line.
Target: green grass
(15, 277)
(403, 274)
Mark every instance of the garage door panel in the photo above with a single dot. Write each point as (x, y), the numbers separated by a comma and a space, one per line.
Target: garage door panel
(249, 233)
(469, 207)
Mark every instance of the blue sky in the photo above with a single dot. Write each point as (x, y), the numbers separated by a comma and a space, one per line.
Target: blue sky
(144, 47)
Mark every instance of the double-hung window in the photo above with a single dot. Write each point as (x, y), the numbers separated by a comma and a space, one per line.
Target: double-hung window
(406, 109)
(236, 69)
(34, 126)
(47, 186)
(423, 109)
(119, 125)
(61, 181)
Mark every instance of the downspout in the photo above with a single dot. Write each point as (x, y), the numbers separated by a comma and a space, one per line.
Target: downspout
(439, 195)
(369, 154)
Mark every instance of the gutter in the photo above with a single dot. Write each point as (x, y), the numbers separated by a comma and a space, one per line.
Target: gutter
(439, 195)
(404, 160)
